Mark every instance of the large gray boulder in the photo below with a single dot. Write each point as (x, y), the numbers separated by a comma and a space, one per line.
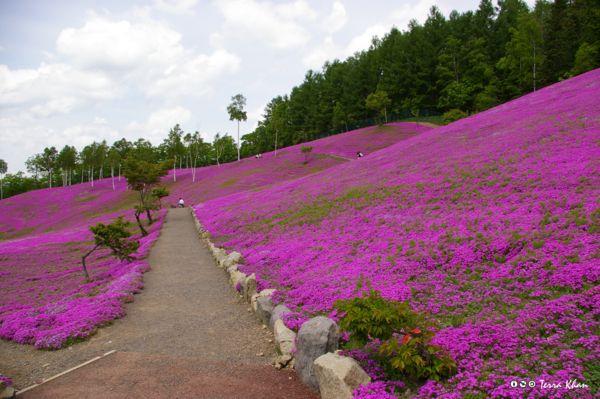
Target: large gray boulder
(338, 376)
(264, 309)
(267, 292)
(316, 337)
(285, 339)
(277, 314)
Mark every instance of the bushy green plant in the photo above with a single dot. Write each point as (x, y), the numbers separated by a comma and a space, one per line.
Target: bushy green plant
(405, 335)
(114, 236)
(592, 376)
(305, 150)
(453, 115)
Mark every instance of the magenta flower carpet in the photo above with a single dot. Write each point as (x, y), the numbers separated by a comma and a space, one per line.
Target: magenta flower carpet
(44, 233)
(45, 300)
(490, 224)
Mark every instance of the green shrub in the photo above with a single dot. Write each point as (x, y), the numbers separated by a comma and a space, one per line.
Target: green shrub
(453, 115)
(592, 376)
(405, 335)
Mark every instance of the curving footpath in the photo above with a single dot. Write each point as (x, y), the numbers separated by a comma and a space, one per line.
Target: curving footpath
(185, 336)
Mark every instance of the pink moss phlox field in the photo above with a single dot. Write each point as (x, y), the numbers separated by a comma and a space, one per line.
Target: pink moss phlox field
(45, 300)
(490, 224)
(253, 175)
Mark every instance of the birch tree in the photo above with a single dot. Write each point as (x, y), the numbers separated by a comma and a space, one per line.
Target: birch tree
(113, 158)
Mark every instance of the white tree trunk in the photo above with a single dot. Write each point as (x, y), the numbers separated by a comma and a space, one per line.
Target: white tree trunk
(119, 172)
(112, 174)
(238, 141)
(92, 176)
(175, 170)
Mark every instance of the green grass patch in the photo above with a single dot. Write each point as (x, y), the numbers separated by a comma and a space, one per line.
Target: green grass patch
(7, 235)
(261, 188)
(86, 199)
(228, 183)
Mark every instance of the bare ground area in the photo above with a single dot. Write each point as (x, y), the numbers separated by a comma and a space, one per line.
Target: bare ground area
(186, 332)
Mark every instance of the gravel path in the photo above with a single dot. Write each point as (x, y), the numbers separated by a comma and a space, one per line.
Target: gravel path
(186, 310)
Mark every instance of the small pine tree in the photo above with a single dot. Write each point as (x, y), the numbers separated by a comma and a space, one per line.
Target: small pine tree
(114, 236)
(306, 150)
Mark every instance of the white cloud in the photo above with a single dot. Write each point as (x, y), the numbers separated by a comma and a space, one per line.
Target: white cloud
(147, 53)
(22, 133)
(2, 48)
(55, 88)
(193, 77)
(100, 121)
(160, 121)
(119, 45)
(176, 6)
(279, 26)
(337, 19)
(104, 58)
(326, 51)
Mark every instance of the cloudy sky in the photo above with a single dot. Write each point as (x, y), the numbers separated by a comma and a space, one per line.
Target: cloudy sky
(74, 71)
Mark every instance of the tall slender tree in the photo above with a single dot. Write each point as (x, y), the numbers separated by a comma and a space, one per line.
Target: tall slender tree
(48, 162)
(66, 161)
(113, 157)
(33, 165)
(236, 112)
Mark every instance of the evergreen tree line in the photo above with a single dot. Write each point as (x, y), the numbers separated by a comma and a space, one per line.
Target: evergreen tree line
(459, 65)
(52, 168)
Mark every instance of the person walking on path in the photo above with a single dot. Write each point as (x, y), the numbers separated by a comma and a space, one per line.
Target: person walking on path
(359, 155)
(181, 202)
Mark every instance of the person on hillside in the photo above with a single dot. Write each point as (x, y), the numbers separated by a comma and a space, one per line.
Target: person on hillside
(181, 202)
(359, 155)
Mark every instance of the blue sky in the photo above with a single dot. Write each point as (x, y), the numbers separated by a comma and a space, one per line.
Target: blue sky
(72, 72)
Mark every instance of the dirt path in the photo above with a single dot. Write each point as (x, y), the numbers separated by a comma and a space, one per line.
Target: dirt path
(187, 314)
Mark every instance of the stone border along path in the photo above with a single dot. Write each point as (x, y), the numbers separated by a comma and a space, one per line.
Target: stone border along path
(186, 335)
(316, 359)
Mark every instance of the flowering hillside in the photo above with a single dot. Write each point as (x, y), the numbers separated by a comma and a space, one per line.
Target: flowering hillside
(256, 174)
(45, 300)
(491, 224)
(43, 234)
